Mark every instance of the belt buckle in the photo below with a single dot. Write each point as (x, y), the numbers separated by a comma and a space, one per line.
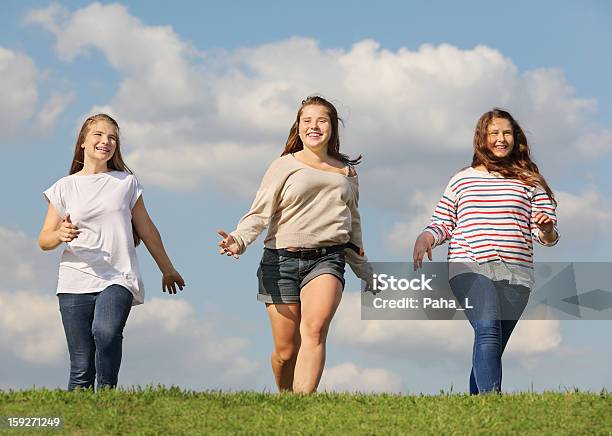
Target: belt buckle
(321, 252)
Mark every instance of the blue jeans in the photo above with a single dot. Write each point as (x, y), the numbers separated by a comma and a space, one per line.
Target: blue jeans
(497, 307)
(93, 324)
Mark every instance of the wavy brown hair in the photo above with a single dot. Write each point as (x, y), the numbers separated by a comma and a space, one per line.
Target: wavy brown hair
(518, 164)
(294, 143)
(116, 163)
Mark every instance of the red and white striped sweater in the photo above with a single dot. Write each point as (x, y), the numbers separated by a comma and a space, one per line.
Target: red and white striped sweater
(489, 220)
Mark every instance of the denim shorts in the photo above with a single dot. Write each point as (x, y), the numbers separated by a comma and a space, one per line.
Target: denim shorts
(281, 278)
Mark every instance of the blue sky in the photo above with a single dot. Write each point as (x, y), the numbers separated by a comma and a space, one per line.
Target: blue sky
(205, 94)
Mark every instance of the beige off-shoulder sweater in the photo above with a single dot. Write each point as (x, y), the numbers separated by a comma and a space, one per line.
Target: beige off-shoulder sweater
(304, 207)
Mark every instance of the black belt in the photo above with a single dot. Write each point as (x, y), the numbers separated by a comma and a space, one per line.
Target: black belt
(313, 253)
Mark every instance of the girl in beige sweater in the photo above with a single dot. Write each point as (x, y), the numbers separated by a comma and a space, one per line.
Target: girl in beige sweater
(308, 202)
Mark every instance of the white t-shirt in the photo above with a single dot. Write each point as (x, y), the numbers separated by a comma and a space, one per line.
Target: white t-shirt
(100, 205)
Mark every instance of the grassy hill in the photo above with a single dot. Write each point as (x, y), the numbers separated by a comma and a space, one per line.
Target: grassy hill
(175, 411)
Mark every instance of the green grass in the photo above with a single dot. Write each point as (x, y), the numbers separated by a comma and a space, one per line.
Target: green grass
(174, 411)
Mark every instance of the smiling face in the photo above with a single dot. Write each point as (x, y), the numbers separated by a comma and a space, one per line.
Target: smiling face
(500, 137)
(100, 142)
(315, 126)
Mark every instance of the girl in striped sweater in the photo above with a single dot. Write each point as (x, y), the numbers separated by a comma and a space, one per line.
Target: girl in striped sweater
(491, 212)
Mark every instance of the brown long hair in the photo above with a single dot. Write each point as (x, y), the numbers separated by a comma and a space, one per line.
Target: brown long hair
(517, 165)
(116, 163)
(294, 143)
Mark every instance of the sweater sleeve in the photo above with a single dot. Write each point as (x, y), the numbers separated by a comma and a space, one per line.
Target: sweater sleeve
(264, 206)
(357, 261)
(541, 202)
(444, 218)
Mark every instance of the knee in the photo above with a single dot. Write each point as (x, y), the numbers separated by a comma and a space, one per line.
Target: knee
(105, 337)
(82, 373)
(286, 352)
(314, 332)
(488, 332)
(83, 370)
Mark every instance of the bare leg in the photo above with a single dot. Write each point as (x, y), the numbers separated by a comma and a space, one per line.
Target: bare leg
(285, 322)
(320, 299)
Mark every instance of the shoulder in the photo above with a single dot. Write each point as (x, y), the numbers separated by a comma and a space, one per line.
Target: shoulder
(61, 183)
(125, 177)
(64, 180)
(282, 166)
(122, 175)
(125, 182)
(285, 160)
(465, 172)
(281, 161)
(462, 175)
(132, 178)
(537, 191)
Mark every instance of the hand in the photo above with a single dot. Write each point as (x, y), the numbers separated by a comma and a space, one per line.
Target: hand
(368, 286)
(546, 226)
(422, 245)
(67, 231)
(170, 280)
(228, 245)
(544, 222)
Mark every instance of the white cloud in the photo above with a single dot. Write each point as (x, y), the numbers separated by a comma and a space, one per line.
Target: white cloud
(30, 322)
(18, 87)
(399, 338)
(20, 90)
(534, 337)
(23, 266)
(56, 105)
(584, 217)
(347, 377)
(402, 236)
(50, 18)
(152, 59)
(168, 314)
(31, 327)
(596, 144)
(166, 342)
(403, 108)
(428, 342)
(190, 168)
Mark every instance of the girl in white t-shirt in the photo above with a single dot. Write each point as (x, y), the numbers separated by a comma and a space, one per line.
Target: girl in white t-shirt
(99, 213)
